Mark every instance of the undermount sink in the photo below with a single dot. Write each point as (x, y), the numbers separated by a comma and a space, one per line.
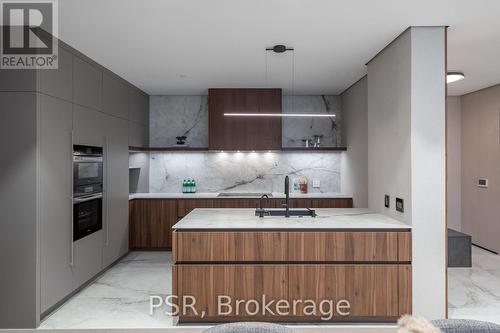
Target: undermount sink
(244, 194)
(260, 212)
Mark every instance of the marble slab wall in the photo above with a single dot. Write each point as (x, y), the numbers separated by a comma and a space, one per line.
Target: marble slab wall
(296, 130)
(172, 116)
(243, 172)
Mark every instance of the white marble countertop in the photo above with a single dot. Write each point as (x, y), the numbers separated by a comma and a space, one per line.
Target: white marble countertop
(214, 195)
(327, 218)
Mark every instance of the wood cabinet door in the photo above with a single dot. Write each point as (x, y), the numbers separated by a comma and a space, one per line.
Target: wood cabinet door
(240, 282)
(185, 206)
(371, 290)
(343, 246)
(151, 222)
(245, 133)
(233, 246)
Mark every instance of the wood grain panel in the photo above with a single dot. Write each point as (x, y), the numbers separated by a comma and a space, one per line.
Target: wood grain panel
(404, 246)
(372, 290)
(150, 223)
(405, 289)
(231, 246)
(207, 282)
(331, 203)
(244, 133)
(342, 246)
(185, 206)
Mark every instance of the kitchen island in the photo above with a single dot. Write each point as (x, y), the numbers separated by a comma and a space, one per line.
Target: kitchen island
(342, 265)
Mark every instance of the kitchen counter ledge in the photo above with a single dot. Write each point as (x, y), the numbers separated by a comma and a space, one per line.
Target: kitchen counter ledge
(214, 195)
(327, 219)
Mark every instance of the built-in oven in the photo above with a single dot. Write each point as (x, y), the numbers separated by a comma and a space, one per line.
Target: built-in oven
(87, 190)
(87, 165)
(87, 215)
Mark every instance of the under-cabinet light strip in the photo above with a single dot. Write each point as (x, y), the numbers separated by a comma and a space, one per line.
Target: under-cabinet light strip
(279, 115)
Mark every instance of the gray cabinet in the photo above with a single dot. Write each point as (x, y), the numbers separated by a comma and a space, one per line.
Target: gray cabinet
(58, 82)
(116, 195)
(138, 135)
(88, 126)
(138, 106)
(87, 258)
(87, 84)
(55, 200)
(115, 96)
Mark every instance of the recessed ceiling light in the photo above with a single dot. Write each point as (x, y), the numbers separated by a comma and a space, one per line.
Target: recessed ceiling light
(454, 76)
(183, 76)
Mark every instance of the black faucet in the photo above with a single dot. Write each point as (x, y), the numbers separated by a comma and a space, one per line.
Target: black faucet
(287, 197)
(262, 198)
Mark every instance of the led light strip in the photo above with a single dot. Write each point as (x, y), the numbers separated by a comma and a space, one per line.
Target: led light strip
(279, 115)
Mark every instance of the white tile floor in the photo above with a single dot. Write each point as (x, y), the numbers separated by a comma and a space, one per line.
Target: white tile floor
(120, 297)
(474, 293)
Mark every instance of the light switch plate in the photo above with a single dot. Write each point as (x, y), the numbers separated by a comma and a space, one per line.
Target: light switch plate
(316, 183)
(399, 205)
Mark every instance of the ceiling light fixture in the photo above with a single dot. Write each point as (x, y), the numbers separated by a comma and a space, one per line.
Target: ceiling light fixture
(454, 76)
(281, 49)
(238, 114)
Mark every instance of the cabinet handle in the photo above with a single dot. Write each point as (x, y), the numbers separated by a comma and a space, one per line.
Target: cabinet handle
(106, 189)
(72, 248)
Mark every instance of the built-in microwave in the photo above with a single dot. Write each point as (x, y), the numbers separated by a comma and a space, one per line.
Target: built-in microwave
(87, 165)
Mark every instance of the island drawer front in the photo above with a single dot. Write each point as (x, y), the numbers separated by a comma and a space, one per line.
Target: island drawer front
(372, 290)
(206, 282)
(375, 292)
(357, 246)
(230, 246)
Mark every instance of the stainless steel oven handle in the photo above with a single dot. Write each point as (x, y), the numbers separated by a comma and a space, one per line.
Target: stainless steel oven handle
(72, 246)
(87, 198)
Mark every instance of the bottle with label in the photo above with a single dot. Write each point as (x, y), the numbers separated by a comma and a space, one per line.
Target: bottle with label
(184, 186)
(194, 186)
(190, 186)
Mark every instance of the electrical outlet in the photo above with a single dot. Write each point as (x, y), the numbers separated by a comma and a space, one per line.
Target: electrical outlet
(387, 201)
(399, 205)
(316, 183)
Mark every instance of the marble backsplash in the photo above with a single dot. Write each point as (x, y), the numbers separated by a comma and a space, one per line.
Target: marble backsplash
(243, 172)
(172, 116)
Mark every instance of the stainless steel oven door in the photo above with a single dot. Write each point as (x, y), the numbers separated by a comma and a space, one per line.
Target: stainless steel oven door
(87, 170)
(87, 215)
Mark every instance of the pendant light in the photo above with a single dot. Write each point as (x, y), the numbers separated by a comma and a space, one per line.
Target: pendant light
(280, 49)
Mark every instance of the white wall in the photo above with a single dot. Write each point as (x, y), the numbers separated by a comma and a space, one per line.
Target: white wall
(139, 172)
(454, 155)
(354, 162)
(389, 111)
(406, 152)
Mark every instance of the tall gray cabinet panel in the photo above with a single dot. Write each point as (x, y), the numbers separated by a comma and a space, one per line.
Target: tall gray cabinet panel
(88, 126)
(138, 107)
(18, 204)
(59, 83)
(116, 181)
(87, 84)
(56, 123)
(114, 96)
(87, 258)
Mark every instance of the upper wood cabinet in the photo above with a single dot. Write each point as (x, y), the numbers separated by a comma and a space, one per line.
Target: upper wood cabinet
(244, 133)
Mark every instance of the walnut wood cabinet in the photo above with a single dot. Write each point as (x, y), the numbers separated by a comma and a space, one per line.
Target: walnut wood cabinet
(151, 220)
(369, 269)
(244, 133)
